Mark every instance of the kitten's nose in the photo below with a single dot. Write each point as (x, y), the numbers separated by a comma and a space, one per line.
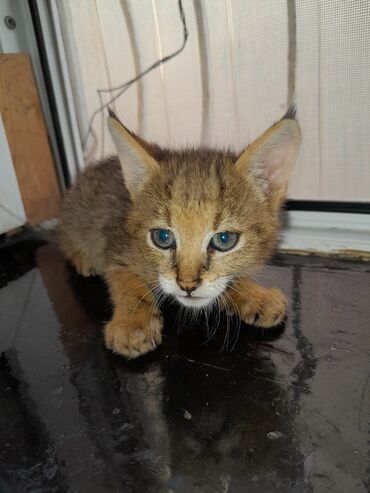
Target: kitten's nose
(188, 285)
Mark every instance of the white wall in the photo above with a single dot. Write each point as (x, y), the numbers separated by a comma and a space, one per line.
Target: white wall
(12, 213)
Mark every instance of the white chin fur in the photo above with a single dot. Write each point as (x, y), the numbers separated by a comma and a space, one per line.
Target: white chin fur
(203, 296)
(194, 302)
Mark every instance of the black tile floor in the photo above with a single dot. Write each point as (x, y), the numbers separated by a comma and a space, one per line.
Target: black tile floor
(285, 411)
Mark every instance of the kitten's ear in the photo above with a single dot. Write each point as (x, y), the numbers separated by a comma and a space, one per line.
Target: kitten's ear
(271, 157)
(137, 164)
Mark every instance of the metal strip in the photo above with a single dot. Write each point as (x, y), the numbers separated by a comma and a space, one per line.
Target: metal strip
(63, 90)
(292, 51)
(203, 56)
(161, 67)
(136, 57)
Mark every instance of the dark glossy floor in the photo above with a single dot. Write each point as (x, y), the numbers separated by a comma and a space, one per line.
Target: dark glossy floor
(285, 411)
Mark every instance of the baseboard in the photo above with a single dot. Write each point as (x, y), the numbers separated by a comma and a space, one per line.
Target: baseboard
(326, 232)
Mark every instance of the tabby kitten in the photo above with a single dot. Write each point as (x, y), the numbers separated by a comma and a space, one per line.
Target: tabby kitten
(191, 224)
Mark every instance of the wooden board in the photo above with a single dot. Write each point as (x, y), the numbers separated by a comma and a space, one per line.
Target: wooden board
(28, 140)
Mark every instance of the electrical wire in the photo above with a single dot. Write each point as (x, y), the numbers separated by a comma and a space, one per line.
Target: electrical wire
(122, 88)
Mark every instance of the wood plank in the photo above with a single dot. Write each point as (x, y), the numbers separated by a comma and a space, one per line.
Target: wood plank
(28, 140)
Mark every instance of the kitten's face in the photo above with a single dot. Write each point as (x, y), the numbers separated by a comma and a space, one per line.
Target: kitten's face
(202, 223)
(200, 219)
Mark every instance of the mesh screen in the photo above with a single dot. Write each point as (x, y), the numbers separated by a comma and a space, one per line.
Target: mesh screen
(244, 63)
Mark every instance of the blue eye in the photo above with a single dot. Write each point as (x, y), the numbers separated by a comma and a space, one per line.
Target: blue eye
(163, 238)
(224, 241)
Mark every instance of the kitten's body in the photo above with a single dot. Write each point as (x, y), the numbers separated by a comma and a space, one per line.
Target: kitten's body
(108, 217)
(103, 204)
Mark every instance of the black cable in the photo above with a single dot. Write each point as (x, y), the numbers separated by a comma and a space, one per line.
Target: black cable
(123, 87)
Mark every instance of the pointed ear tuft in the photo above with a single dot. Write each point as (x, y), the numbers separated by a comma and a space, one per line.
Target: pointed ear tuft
(112, 113)
(137, 165)
(291, 113)
(271, 157)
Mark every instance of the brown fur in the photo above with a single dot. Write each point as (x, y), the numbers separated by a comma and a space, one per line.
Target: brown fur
(107, 215)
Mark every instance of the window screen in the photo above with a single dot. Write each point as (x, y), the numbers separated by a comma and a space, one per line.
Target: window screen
(244, 62)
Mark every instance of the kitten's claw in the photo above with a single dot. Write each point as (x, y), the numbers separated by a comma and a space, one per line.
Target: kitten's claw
(267, 311)
(130, 339)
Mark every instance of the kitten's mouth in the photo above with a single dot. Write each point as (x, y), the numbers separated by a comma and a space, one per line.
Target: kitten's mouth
(190, 297)
(194, 301)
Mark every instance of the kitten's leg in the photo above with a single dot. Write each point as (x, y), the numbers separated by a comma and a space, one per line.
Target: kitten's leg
(136, 325)
(257, 305)
(81, 264)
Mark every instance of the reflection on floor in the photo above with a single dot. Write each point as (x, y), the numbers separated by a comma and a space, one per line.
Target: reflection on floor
(286, 411)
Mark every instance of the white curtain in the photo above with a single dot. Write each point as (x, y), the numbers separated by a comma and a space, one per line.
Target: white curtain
(244, 62)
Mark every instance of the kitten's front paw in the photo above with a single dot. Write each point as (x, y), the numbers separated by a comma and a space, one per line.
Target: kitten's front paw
(267, 310)
(81, 265)
(132, 338)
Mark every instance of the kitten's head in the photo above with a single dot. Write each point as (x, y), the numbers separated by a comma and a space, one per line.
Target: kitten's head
(202, 218)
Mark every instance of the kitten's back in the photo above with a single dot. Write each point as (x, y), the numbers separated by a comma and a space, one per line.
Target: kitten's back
(96, 201)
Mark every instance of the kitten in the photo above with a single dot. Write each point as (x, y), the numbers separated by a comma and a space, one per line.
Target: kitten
(191, 224)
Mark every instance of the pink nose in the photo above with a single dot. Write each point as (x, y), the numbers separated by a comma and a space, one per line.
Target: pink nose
(188, 285)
